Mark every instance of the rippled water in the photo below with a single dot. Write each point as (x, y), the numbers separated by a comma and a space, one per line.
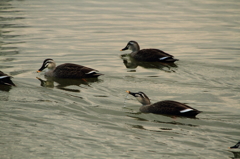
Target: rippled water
(45, 119)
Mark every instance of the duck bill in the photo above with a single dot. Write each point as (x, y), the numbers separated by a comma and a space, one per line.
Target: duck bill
(126, 48)
(233, 147)
(130, 93)
(42, 68)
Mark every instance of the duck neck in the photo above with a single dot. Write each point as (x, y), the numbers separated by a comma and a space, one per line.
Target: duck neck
(144, 108)
(134, 53)
(49, 72)
(135, 49)
(51, 67)
(144, 101)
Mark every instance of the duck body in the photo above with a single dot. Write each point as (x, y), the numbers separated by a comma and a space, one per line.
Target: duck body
(167, 107)
(153, 55)
(148, 55)
(67, 70)
(6, 79)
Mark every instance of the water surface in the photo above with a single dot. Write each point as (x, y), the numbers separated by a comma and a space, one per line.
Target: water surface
(44, 119)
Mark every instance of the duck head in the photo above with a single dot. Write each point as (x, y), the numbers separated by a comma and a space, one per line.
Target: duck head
(235, 146)
(141, 97)
(132, 45)
(47, 63)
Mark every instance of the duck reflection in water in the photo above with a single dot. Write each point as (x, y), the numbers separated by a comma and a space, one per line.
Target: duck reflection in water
(162, 122)
(131, 63)
(64, 83)
(5, 88)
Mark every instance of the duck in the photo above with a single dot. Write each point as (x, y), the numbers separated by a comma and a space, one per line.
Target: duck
(67, 70)
(166, 107)
(148, 55)
(6, 79)
(237, 146)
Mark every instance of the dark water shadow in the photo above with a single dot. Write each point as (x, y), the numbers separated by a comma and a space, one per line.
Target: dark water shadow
(142, 128)
(64, 83)
(167, 115)
(131, 63)
(5, 88)
(236, 154)
(163, 122)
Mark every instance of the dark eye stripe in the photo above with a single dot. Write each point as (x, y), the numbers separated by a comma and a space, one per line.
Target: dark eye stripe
(142, 95)
(49, 61)
(46, 60)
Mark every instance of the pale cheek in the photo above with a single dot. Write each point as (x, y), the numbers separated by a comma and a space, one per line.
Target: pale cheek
(50, 66)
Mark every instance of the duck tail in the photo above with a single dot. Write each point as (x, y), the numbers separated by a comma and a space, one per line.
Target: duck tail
(192, 113)
(167, 59)
(93, 74)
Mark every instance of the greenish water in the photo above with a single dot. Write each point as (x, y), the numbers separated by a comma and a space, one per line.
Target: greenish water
(90, 119)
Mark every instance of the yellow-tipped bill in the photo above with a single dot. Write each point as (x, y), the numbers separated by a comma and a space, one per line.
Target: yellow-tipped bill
(128, 91)
(38, 71)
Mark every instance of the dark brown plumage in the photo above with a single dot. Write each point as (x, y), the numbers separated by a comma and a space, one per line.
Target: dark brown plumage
(171, 107)
(153, 55)
(69, 70)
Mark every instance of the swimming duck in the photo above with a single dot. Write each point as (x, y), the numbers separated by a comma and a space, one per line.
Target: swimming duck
(148, 55)
(6, 79)
(164, 107)
(67, 70)
(237, 146)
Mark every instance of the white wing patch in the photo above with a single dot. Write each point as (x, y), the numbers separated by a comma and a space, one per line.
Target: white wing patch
(163, 58)
(2, 77)
(186, 110)
(91, 72)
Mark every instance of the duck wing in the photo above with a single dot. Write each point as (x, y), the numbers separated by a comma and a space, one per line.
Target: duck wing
(172, 107)
(69, 70)
(154, 55)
